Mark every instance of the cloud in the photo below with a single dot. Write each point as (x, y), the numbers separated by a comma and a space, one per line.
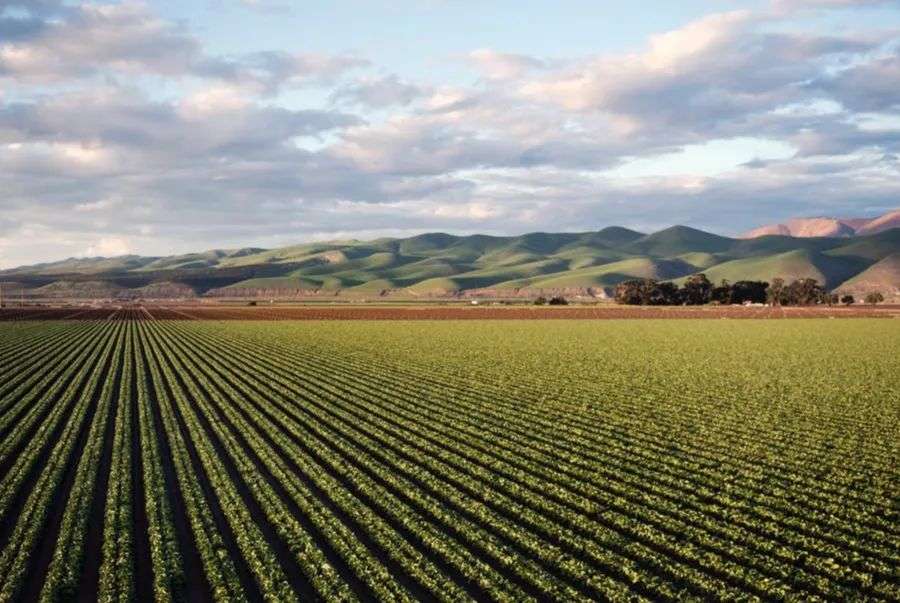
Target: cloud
(267, 72)
(501, 65)
(870, 86)
(378, 92)
(701, 77)
(842, 139)
(203, 125)
(108, 247)
(95, 206)
(122, 37)
(127, 39)
(211, 152)
(788, 6)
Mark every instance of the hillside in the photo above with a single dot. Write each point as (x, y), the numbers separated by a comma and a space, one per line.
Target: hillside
(883, 276)
(790, 266)
(439, 264)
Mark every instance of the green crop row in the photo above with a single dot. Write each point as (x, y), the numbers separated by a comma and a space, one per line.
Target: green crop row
(452, 461)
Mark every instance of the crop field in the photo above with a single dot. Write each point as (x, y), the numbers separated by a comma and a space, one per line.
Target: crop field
(449, 460)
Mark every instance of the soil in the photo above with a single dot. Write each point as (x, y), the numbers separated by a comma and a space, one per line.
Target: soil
(439, 312)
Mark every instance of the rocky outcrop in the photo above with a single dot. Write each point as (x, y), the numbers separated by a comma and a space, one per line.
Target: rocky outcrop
(828, 227)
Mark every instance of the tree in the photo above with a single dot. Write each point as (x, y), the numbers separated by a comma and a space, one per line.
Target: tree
(847, 300)
(875, 297)
(831, 299)
(540, 301)
(804, 292)
(775, 293)
(632, 293)
(723, 293)
(559, 300)
(697, 290)
(663, 294)
(753, 292)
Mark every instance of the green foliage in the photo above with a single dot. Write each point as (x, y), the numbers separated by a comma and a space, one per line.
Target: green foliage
(697, 290)
(802, 292)
(503, 460)
(875, 297)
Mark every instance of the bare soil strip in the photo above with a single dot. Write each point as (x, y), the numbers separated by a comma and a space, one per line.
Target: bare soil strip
(412, 312)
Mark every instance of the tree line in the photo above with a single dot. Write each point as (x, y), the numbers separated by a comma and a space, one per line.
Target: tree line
(698, 290)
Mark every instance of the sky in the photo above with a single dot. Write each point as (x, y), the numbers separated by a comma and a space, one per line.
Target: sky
(172, 126)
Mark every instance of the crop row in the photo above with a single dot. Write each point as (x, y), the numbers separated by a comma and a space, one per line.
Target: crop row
(729, 541)
(181, 460)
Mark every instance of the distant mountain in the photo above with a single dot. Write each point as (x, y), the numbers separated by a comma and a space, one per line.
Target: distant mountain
(881, 223)
(828, 227)
(439, 264)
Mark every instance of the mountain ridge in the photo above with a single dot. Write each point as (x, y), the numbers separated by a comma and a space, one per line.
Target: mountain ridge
(439, 264)
(824, 226)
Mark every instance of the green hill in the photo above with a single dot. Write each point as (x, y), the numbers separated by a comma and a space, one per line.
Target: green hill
(678, 240)
(701, 259)
(605, 275)
(875, 247)
(883, 276)
(791, 265)
(443, 264)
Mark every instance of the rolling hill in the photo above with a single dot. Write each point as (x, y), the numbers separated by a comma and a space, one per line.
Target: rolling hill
(439, 264)
(883, 276)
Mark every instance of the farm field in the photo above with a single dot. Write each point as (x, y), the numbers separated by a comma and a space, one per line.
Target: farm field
(455, 311)
(448, 460)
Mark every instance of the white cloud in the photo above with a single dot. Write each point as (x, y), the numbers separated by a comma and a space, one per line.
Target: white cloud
(503, 65)
(790, 6)
(95, 206)
(469, 211)
(108, 247)
(717, 122)
(127, 39)
(123, 37)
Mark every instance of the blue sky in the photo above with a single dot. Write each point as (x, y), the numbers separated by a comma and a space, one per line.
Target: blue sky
(412, 36)
(163, 127)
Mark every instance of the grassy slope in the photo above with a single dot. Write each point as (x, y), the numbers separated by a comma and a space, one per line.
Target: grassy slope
(489, 277)
(678, 240)
(606, 274)
(875, 247)
(436, 262)
(702, 259)
(883, 276)
(790, 265)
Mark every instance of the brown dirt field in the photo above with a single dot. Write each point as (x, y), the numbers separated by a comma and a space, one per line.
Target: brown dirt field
(411, 312)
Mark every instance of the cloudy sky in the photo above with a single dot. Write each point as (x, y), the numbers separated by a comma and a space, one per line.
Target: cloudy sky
(180, 125)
